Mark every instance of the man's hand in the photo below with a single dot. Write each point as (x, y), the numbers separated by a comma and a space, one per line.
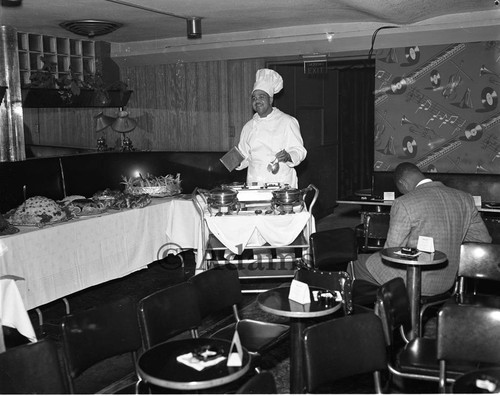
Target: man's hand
(283, 156)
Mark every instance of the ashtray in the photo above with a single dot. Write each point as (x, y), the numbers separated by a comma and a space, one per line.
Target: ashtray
(206, 353)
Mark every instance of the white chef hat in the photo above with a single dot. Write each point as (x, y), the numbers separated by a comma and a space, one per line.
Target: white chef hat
(268, 81)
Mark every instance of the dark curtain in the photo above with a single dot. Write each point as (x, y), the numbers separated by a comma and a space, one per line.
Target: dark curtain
(356, 124)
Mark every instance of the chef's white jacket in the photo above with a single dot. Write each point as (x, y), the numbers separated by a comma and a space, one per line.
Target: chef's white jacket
(262, 138)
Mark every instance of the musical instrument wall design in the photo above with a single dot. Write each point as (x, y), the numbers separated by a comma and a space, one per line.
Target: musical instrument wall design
(418, 129)
(473, 132)
(434, 155)
(438, 111)
(494, 77)
(400, 84)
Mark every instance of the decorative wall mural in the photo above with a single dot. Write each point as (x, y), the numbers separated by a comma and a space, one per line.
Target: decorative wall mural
(437, 106)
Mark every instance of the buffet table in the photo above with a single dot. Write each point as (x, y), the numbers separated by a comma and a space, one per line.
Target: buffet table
(58, 260)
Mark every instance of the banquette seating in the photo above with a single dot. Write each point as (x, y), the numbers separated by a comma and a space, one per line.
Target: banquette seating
(85, 174)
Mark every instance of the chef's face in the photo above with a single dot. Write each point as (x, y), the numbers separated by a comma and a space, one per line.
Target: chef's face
(261, 103)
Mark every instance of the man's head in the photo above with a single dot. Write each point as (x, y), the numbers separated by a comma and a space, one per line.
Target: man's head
(262, 103)
(267, 83)
(407, 176)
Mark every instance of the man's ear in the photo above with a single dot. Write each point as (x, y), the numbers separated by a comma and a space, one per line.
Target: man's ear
(402, 186)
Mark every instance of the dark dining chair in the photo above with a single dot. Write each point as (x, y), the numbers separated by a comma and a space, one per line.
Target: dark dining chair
(479, 262)
(467, 333)
(219, 290)
(92, 336)
(32, 368)
(341, 348)
(261, 384)
(412, 359)
(330, 280)
(373, 231)
(170, 313)
(334, 250)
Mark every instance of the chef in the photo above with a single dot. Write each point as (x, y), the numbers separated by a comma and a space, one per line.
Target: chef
(270, 142)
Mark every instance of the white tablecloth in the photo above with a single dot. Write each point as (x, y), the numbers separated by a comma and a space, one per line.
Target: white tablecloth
(238, 232)
(12, 310)
(61, 259)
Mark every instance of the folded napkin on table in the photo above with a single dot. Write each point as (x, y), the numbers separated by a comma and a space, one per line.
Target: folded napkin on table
(189, 360)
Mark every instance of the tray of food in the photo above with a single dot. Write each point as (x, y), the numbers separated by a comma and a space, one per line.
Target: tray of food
(154, 186)
(38, 211)
(80, 206)
(113, 199)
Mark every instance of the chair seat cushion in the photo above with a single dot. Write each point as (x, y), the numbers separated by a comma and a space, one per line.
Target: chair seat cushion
(419, 357)
(255, 336)
(482, 300)
(436, 298)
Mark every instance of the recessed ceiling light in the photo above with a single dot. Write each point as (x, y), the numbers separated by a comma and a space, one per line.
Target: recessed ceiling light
(90, 27)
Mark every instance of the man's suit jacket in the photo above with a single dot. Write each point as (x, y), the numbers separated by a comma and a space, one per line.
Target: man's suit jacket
(447, 215)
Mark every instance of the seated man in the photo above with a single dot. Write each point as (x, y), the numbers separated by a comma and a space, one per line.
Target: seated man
(426, 208)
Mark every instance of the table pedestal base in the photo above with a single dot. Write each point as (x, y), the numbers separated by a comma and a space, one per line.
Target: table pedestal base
(414, 283)
(296, 356)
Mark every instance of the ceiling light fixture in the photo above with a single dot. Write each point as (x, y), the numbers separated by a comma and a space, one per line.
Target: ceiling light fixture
(194, 28)
(193, 22)
(90, 27)
(12, 3)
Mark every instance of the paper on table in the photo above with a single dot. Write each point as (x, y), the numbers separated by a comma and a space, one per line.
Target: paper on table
(232, 159)
(235, 358)
(189, 360)
(299, 292)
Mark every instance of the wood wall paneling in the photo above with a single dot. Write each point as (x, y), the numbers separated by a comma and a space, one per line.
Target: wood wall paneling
(178, 107)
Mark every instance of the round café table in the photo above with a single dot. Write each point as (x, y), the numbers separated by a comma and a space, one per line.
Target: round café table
(488, 380)
(159, 366)
(413, 277)
(276, 302)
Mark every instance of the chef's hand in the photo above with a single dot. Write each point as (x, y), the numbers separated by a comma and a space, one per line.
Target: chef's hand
(283, 156)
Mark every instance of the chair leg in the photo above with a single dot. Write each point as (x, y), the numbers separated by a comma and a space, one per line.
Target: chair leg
(351, 267)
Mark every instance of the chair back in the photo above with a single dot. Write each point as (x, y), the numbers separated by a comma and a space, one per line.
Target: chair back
(478, 261)
(374, 230)
(344, 347)
(168, 313)
(262, 384)
(96, 334)
(467, 333)
(336, 280)
(393, 308)
(32, 368)
(217, 289)
(332, 250)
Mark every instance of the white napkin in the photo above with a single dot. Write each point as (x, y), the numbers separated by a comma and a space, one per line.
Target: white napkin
(12, 311)
(189, 360)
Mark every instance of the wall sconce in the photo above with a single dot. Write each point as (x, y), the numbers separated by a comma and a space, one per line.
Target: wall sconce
(101, 122)
(193, 28)
(124, 124)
